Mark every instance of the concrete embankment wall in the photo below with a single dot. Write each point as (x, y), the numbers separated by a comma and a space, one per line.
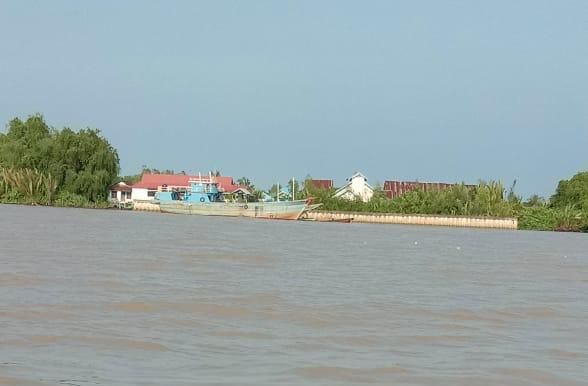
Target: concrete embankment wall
(146, 205)
(417, 219)
(390, 218)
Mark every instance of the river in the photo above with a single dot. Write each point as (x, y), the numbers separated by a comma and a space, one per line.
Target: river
(99, 297)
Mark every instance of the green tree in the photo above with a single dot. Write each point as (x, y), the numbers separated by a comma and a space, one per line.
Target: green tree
(244, 181)
(572, 192)
(82, 163)
(535, 200)
(273, 192)
(130, 179)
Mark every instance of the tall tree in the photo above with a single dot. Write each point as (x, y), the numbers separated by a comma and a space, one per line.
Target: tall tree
(572, 192)
(244, 181)
(83, 163)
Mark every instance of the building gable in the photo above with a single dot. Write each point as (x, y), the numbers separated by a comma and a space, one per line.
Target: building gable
(356, 186)
(321, 184)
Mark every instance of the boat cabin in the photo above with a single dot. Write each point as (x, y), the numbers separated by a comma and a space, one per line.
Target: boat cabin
(201, 190)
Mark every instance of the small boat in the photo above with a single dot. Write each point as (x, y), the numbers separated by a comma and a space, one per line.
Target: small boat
(204, 198)
(346, 220)
(342, 220)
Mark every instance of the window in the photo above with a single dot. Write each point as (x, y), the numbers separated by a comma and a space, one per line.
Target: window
(113, 194)
(151, 193)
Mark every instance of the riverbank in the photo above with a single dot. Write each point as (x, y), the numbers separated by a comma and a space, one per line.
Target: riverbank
(390, 218)
(538, 219)
(64, 204)
(415, 219)
(566, 211)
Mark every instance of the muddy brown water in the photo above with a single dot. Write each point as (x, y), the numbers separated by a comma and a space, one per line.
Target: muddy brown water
(92, 297)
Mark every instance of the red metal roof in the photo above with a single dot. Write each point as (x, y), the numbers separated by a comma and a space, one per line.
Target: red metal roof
(232, 188)
(154, 181)
(322, 184)
(397, 188)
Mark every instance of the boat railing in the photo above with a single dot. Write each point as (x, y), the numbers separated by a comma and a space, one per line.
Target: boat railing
(166, 188)
(206, 183)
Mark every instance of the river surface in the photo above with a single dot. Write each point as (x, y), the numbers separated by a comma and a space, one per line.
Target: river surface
(91, 297)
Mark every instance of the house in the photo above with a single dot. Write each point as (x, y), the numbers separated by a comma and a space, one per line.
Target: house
(241, 193)
(150, 184)
(120, 193)
(266, 197)
(320, 184)
(393, 189)
(356, 187)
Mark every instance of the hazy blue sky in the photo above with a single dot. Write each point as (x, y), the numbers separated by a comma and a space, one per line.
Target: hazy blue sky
(427, 90)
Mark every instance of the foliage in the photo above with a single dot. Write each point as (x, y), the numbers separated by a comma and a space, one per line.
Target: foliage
(244, 181)
(283, 191)
(572, 192)
(535, 200)
(27, 186)
(288, 190)
(130, 179)
(148, 170)
(553, 219)
(569, 218)
(485, 199)
(68, 199)
(256, 194)
(82, 162)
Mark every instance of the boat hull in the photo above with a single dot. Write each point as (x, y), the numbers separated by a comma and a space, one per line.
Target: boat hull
(285, 210)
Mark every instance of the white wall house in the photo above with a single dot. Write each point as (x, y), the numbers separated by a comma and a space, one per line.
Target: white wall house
(356, 187)
(143, 193)
(120, 193)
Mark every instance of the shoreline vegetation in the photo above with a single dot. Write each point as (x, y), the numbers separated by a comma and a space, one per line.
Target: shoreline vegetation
(486, 199)
(40, 165)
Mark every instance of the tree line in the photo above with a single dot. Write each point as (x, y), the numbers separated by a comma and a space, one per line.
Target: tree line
(46, 166)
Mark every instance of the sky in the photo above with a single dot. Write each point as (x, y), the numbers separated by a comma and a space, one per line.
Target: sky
(433, 90)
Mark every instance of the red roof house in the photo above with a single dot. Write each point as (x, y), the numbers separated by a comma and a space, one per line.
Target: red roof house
(321, 184)
(156, 181)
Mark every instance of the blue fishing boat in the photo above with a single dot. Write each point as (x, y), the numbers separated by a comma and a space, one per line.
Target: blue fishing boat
(204, 198)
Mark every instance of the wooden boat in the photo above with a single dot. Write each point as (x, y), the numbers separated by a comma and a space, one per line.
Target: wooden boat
(204, 198)
(342, 220)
